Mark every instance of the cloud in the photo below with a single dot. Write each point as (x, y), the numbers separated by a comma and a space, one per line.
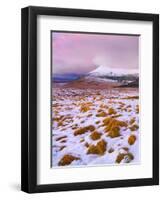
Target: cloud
(81, 53)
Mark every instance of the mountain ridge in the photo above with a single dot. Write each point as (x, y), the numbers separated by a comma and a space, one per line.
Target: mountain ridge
(106, 71)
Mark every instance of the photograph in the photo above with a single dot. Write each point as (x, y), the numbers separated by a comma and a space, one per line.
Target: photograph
(89, 99)
(95, 99)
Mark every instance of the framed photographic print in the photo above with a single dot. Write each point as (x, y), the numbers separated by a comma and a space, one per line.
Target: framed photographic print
(90, 99)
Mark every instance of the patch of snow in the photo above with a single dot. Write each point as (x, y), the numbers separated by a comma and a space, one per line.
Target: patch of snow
(67, 103)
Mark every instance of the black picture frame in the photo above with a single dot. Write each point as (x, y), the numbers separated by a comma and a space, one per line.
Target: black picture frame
(29, 98)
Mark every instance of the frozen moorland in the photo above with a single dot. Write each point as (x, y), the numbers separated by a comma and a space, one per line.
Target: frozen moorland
(95, 126)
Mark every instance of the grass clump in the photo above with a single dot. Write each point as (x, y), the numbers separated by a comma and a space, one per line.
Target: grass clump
(112, 126)
(95, 135)
(60, 123)
(107, 120)
(101, 114)
(99, 148)
(115, 132)
(134, 127)
(67, 159)
(116, 116)
(84, 108)
(83, 130)
(131, 139)
(127, 157)
(90, 128)
(132, 121)
(112, 111)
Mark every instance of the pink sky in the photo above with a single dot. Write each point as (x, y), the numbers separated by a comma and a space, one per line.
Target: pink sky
(82, 53)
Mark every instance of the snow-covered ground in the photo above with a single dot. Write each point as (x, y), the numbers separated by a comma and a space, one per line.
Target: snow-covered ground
(91, 127)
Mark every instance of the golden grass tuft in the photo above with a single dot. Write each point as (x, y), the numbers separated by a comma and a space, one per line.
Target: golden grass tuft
(67, 159)
(131, 139)
(62, 120)
(99, 148)
(134, 127)
(91, 128)
(127, 156)
(83, 130)
(80, 131)
(120, 157)
(85, 106)
(60, 123)
(112, 111)
(132, 121)
(57, 119)
(121, 123)
(95, 135)
(116, 116)
(115, 132)
(107, 120)
(101, 114)
(112, 126)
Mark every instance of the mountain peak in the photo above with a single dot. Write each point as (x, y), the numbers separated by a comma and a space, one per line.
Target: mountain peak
(108, 71)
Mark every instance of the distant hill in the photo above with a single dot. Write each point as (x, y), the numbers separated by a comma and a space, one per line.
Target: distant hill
(63, 78)
(102, 76)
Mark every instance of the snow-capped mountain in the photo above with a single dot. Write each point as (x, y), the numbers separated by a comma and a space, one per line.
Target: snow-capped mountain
(125, 77)
(104, 71)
